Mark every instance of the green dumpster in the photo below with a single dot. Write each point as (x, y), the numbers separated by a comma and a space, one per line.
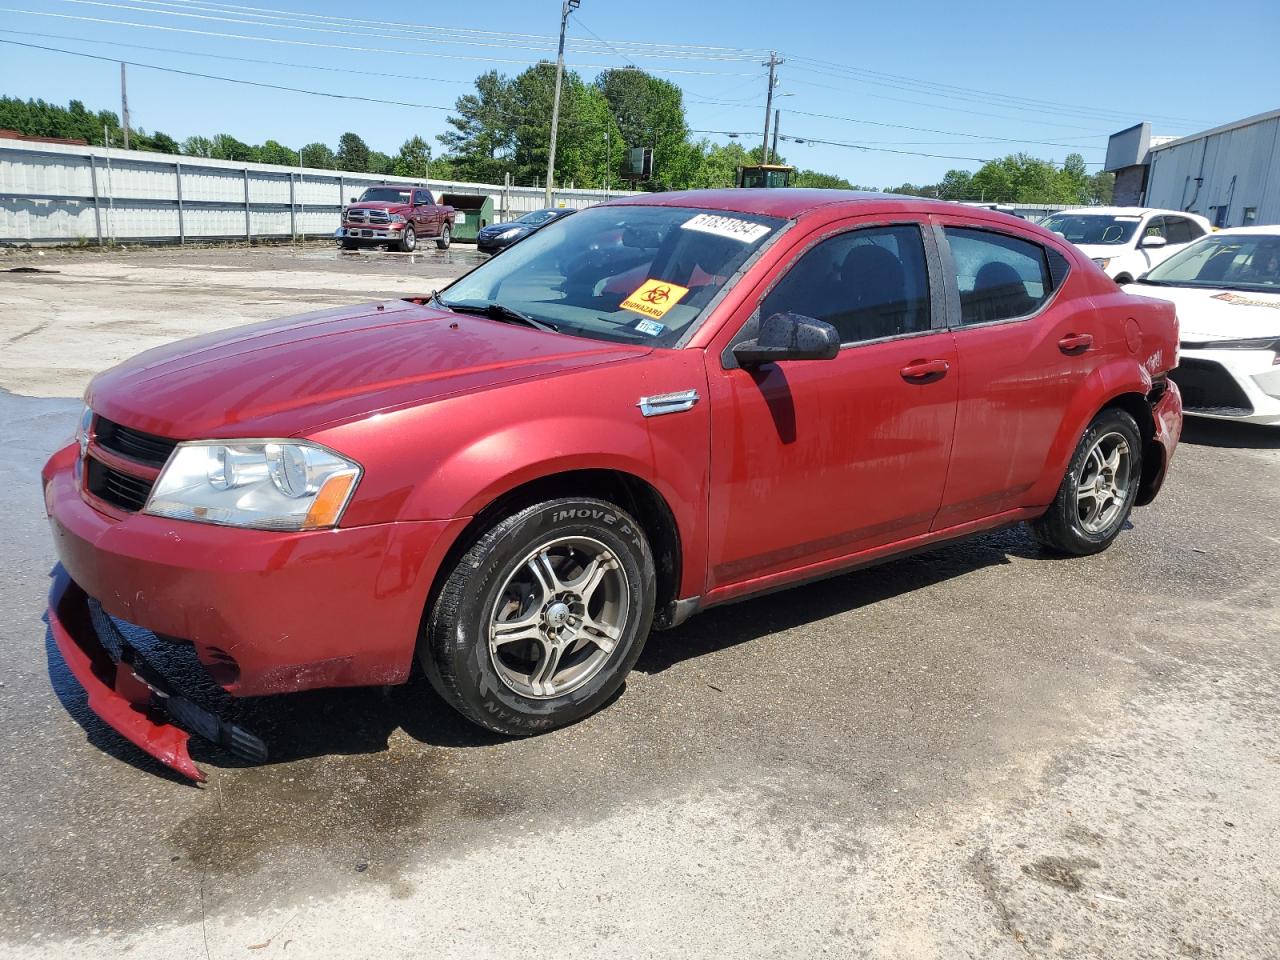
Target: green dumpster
(473, 211)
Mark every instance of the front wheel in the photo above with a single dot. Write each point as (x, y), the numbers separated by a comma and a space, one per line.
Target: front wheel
(445, 236)
(542, 618)
(1098, 490)
(408, 240)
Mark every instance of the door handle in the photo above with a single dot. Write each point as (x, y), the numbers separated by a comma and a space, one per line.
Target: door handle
(925, 371)
(1074, 343)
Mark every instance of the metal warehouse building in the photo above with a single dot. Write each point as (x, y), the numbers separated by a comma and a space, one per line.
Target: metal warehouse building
(1230, 174)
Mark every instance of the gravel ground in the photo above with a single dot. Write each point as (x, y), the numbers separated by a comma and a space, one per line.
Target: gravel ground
(980, 752)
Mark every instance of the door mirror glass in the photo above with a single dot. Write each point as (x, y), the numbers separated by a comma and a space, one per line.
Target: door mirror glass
(789, 336)
(1124, 278)
(1153, 242)
(354, 200)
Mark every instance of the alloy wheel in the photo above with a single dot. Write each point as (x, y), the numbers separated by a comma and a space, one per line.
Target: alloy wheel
(1103, 486)
(558, 618)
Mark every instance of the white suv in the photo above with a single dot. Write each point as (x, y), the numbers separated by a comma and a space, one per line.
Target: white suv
(1126, 242)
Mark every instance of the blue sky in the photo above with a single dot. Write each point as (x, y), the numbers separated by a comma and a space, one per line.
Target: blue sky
(971, 78)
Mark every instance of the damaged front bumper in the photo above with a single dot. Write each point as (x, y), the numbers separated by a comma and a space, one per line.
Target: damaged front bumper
(128, 693)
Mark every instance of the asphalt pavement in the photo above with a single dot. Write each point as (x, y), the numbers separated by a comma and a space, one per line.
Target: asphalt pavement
(979, 752)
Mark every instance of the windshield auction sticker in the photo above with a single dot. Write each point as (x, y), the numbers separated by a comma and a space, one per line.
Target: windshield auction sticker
(1247, 301)
(654, 298)
(730, 227)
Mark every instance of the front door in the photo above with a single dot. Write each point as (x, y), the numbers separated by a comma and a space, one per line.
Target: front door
(815, 460)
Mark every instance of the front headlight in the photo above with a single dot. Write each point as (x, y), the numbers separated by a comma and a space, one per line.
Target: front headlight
(84, 431)
(508, 234)
(397, 218)
(1103, 262)
(267, 484)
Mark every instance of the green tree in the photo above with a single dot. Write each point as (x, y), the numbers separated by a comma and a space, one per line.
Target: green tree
(718, 165)
(197, 147)
(826, 181)
(319, 157)
(273, 152)
(955, 185)
(1100, 188)
(650, 113)
(226, 147)
(353, 153)
(380, 163)
(163, 143)
(414, 158)
(483, 135)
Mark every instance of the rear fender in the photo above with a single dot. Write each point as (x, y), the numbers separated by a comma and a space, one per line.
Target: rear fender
(1103, 385)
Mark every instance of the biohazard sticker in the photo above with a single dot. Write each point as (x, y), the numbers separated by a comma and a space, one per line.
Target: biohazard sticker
(723, 226)
(654, 298)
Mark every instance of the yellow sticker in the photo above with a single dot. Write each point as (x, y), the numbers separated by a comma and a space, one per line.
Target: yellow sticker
(654, 298)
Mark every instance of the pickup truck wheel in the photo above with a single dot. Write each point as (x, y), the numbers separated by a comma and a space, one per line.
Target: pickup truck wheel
(408, 240)
(543, 617)
(1099, 489)
(443, 240)
(350, 245)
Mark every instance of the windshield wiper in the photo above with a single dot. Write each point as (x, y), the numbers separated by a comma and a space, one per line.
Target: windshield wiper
(1153, 283)
(498, 311)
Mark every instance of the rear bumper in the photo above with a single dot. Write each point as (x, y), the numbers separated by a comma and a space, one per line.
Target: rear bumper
(267, 612)
(1166, 417)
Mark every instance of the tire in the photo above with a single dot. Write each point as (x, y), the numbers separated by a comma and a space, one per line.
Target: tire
(442, 241)
(408, 239)
(1108, 458)
(350, 245)
(507, 647)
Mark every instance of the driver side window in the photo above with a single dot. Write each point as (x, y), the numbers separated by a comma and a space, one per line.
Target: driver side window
(869, 284)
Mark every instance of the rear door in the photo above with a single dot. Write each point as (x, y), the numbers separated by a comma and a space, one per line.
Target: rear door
(1024, 348)
(814, 460)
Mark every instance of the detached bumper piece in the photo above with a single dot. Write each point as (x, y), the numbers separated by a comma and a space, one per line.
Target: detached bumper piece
(128, 693)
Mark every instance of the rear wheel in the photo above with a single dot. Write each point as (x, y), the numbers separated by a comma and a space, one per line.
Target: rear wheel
(445, 237)
(1098, 491)
(542, 618)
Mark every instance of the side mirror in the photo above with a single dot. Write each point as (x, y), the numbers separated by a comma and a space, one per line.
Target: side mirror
(1153, 242)
(354, 200)
(789, 336)
(1123, 279)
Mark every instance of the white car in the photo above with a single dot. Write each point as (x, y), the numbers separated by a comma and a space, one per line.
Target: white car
(1126, 242)
(1227, 291)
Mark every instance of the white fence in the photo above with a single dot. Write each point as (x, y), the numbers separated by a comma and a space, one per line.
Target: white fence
(55, 193)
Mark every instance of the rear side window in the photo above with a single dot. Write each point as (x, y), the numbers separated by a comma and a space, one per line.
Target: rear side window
(869, 284)
(1180, 230)
(1000, 277)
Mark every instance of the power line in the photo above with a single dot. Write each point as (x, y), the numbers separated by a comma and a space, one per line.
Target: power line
(225, 56)
(340, 46)
(952, 133)
(862, 73)
(363, 30)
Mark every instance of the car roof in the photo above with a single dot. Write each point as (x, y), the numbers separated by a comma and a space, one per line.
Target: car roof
(1131, 212)
(787, 202)
(1272, 229)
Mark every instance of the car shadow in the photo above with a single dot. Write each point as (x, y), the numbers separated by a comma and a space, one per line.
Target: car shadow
(1227, 433)
(361, 720)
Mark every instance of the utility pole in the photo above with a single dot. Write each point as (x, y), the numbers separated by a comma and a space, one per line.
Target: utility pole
(777, 122)
(772, 63)
(566, 8)
(124, 105)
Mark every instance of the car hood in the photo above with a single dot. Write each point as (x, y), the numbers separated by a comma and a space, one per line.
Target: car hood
(291, 376)
(1103, 251)
(1216, 314)
(379, 205)
(497, 228)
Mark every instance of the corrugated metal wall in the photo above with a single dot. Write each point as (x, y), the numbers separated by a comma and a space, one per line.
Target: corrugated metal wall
(1239, 171)
(54, 193)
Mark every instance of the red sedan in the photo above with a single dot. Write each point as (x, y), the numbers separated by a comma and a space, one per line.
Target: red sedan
(652, 407)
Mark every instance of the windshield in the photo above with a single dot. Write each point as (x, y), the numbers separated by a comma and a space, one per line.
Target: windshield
(385, 195)
(628, 273)
(1097, 228)
(538, 216)
(1237, 261)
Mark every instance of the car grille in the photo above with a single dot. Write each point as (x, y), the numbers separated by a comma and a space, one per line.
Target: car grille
(368, 216)
(117, 484)
(134, 444)
(116, 487)
(1207, 387)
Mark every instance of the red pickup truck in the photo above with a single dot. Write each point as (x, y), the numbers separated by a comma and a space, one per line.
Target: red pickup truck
(647, 409)
(397, 216)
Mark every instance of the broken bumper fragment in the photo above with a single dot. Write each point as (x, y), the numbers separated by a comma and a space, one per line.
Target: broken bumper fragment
(128, 693)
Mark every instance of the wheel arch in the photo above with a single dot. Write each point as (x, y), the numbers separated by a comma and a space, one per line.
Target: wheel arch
(623, 489)
(1138, 406)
